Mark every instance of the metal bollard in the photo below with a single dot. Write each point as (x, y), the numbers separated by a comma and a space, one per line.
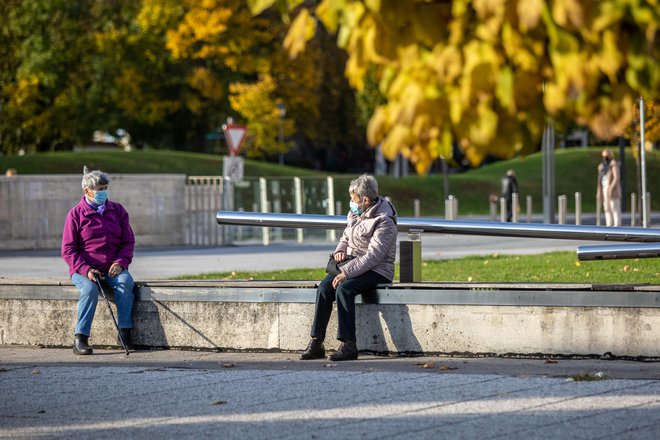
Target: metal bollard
(562, 209)
(633, 210)
(448, 208)
(502, 209)
(263, 198)
(529, 209)
(578, 208)
(331, 235)
(416, 208)
(514, 208)
(647, 217)
(297, 188)
(410, 257)
(454, 208)
(598, 208)
(492, 204)
(276, 204)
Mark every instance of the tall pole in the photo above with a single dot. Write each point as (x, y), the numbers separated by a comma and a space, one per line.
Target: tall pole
(445, 175)
(642, 155)
(622, 172)
(548, 148)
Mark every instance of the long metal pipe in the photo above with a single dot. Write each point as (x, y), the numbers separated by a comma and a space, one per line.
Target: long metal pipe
(618, 251)
(404, 224)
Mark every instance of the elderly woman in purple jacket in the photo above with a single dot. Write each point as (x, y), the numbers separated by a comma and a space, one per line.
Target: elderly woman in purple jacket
(98, 242)
(367, 249)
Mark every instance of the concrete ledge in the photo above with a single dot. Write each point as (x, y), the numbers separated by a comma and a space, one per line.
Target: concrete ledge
(564, 319)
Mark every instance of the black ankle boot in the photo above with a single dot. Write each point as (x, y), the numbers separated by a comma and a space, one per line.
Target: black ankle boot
(80, 345)
(126, 336)
(315, 350)
(347, 351)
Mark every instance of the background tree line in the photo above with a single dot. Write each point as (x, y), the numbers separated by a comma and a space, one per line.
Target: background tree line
(170, 72)
(419, 78)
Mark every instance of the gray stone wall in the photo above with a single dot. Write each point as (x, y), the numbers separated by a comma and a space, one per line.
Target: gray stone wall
(33, 208)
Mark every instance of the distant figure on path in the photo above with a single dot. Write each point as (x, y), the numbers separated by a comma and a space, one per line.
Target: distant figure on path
(366, 253)
(609, 188)
(509, 186)
(98, 242)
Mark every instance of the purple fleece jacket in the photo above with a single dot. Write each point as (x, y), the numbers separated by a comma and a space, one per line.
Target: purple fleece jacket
(92, 240)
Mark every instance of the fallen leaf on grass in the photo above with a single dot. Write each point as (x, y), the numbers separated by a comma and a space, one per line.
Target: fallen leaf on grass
(444, 367)
(218, 402)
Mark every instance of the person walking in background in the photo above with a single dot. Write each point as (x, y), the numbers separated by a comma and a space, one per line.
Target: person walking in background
(98, 242)
(509, 186)
(609, 188)
(366, 253)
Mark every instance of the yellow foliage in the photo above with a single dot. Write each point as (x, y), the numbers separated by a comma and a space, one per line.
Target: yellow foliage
(496, 68)
(302, 29)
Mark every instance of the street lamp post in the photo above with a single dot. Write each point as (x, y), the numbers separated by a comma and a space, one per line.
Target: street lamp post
(282, 108)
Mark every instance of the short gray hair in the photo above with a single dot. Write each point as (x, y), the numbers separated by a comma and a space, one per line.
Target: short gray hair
(95, 178)
(364, 186)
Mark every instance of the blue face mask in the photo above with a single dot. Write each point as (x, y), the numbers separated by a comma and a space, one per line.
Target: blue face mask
(355, 208)
(100, 196)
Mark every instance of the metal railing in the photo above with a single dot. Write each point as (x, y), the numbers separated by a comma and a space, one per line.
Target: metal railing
(535, 230)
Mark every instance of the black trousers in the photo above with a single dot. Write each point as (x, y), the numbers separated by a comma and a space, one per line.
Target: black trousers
(345, 296)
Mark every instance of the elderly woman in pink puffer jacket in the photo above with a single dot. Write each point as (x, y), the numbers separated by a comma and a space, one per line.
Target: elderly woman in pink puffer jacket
(366, 253)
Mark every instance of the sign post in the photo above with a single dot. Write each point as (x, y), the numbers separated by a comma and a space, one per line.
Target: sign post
(232, 165)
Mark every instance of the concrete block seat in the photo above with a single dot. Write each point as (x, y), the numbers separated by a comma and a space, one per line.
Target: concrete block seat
(401, 318)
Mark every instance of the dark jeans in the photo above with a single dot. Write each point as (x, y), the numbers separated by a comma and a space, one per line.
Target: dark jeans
(345, 296)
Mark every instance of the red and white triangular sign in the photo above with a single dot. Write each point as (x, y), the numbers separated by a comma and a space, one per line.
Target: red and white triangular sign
(235, 134)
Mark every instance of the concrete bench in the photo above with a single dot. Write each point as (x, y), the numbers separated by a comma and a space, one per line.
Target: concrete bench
(460, 318)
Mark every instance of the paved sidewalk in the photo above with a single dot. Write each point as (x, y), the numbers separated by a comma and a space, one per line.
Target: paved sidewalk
(51, 393)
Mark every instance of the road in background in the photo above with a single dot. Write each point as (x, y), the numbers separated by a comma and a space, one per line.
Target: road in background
(163, 263)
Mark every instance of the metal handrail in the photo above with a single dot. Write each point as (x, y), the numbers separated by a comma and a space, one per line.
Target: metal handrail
(405, 224)
(649, 236)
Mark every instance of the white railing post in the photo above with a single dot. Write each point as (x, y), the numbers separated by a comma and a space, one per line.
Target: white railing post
(297, 195)
(331, 234)
(263, 199)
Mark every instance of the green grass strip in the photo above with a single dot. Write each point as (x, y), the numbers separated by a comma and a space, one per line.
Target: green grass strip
(553, 267)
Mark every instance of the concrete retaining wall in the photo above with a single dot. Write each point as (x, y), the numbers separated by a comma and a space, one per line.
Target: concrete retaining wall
(33, 208)
(278, 316)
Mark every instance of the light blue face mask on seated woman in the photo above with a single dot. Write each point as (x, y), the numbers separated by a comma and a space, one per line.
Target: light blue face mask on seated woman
(100, 196)
(355, 208)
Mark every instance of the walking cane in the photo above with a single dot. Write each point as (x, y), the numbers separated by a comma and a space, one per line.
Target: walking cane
(105, 298)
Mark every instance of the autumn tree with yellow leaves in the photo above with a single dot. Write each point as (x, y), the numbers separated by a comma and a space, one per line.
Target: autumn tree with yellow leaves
(488, 74)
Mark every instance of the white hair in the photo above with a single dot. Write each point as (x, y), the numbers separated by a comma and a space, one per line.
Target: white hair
(364, 186)
(92, 179)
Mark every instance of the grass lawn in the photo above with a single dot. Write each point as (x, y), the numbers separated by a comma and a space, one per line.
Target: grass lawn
(554, 267)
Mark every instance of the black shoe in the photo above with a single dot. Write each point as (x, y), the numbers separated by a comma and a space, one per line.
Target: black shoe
(315, 350)
(126, 336)
(347, 351)
(81, 345)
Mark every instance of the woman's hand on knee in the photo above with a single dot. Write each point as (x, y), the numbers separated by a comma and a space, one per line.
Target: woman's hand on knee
(338, 279)
(115, 269)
